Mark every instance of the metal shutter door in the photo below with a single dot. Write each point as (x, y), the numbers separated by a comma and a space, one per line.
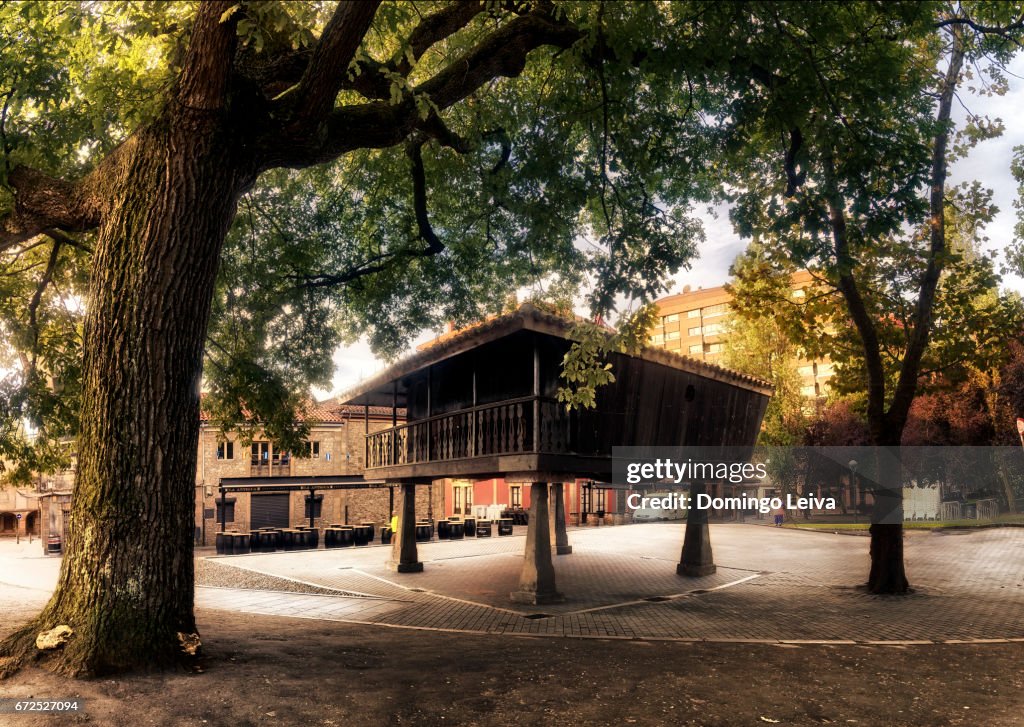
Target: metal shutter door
(268, 511)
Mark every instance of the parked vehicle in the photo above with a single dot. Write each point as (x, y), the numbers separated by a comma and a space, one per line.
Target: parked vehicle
(650, 507)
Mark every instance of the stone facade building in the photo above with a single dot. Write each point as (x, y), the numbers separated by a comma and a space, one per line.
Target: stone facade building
(19, 511)
(336, 447)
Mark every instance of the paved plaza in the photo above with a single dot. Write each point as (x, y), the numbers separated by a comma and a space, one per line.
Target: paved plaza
(620, 582)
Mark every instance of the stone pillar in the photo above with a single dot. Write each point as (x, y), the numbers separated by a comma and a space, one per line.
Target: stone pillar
(697, 558)
(404, 558)
(562, 546)
(537, 581)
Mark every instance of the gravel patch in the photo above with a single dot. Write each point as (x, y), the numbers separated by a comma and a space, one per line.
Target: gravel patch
(209, 573)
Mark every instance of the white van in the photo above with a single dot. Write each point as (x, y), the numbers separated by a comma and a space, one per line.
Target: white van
(647, 514)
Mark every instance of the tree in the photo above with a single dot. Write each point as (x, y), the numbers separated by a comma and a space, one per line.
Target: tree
(839, 184)
(131, 131)
(760, 343)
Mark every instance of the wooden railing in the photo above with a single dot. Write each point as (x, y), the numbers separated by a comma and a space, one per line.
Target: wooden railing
(270, 470)
(506, 427)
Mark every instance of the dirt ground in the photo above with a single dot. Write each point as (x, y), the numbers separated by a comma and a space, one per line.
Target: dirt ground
(262, 670)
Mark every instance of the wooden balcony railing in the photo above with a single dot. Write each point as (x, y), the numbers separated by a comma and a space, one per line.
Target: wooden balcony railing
(527, 424)
(270, 470)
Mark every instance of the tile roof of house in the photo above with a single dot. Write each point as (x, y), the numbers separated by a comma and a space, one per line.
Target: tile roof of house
(528, 316)
(327, 412)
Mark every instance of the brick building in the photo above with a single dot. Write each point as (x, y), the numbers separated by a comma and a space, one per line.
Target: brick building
(695, 323)
(336, 447)
(19, 511)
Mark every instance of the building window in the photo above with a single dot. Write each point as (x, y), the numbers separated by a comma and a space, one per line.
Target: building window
(808, 390)
(799, 293)
(696, 348)
(600, 498)
(226, 510)
(225, 450)
(657, 338)
(260, 453)
(713, 329)
(670, 318)
(316, 504)
(715, 310)
(314, 450)
(712, 348)
(695, 313)
(672, 336)
(694, 331)
(515, 494)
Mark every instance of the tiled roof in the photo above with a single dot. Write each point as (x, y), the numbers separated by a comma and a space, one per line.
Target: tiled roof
(530, 317)
(327, 412)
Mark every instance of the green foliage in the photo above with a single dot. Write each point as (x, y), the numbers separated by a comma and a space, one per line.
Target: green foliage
(758, 343)
(832, 167)
(40, 356)
(577, 173)
(552, 177)
(971, 315)
(585, 367)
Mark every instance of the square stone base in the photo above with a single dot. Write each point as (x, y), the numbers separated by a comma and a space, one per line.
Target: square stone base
(563, 549)
(405, 567)
(535, 599)
(687, 569)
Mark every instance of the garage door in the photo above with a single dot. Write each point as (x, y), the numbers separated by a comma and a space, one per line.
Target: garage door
(269, 511)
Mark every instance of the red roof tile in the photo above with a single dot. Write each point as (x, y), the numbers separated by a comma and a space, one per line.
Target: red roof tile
(326, 412)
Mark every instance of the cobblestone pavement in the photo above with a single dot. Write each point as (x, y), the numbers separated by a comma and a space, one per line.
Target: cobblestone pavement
(620, 582)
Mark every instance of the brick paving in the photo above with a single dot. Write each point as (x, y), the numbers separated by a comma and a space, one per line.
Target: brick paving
(771, 585)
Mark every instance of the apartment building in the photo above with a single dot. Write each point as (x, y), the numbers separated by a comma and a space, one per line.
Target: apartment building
(695, 323)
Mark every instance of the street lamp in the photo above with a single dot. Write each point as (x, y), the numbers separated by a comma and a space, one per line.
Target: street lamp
(853, 488)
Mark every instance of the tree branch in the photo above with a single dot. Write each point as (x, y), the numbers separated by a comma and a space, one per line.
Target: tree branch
(37, 297)
(501, 54)
(324, 76)
(65, 239)
(906, 386)
(419, 198)
(42, 202)
(379, 263)
(207, 65)
(378, 125)
(855, 303)
(435, 28)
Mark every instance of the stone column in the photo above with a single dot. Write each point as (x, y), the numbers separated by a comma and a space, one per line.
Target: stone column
(537, 581)
(697, 558)
(562, 546)
(404, 558)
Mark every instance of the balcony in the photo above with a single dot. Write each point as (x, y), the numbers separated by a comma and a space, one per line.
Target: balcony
(267, 469)
(483, 404)
(522, 426)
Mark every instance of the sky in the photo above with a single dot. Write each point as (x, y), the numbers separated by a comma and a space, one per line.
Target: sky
(989, 163)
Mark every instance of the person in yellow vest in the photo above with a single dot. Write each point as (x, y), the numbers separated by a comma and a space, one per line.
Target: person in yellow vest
(394, 524)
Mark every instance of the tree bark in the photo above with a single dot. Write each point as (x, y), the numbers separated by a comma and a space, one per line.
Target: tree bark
(126, 583)
(888, 572)
(162, 203)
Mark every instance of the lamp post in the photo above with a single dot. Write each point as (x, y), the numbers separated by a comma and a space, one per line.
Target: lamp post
(853, 488)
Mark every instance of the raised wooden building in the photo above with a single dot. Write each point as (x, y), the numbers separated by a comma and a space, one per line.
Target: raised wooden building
(483, 403)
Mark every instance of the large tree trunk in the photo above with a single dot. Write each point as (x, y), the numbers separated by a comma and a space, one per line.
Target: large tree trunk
(888, 573)
(126, 584)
